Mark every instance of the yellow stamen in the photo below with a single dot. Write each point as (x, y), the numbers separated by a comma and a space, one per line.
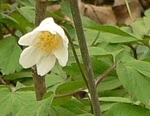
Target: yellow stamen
(48, 42)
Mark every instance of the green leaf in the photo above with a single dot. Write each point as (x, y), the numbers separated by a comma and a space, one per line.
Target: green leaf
(91, 36)
(18, 75)
(73, 71)
(115, 99)
(9, 55)
(111, 84)
(59, 111)
(5, 6)
(99, 65)
(65, 7)
(135, 82)
(28, 13)
(70, 28)
(143, 51)
(147, 13)
(70, 86)
(11, 102)
(97, 51)
(53, 79)
(87, 23)
(141, 66)
(37, 108)
(86, 114)
(23, 23)
(106, 106)
(26, 2)
(75, 106)
(140, 27)
(6, 19)
(121, 109)
(114, 38)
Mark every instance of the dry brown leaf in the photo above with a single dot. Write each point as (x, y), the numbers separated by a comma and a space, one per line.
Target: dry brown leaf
(122, 14)
(100, 14)
(118, 14)
(53, 8)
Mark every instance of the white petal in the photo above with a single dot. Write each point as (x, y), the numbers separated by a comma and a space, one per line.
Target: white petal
(29, 57)
(47, 21)
(65, 42)
(49, 25)
(28, 38)
(62, 55)
(45, 64)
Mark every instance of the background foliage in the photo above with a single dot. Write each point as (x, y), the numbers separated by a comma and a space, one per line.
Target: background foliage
(124, 91)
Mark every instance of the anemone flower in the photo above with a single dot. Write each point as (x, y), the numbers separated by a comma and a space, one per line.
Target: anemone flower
(45, 44)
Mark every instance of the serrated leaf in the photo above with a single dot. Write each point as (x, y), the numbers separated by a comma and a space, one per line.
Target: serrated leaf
(37, 108)
(122, 109)
(137, 85)
(11, 102)
(9, 55)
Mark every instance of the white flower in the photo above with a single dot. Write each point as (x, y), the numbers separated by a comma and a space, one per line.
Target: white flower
(46, 43)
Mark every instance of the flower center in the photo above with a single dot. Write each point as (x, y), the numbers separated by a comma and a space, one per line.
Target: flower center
(48, 42)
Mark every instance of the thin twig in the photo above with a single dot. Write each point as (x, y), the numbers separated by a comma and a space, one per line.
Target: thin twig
(86, 59)
(104, 74)
(129, 10)
(2, 81)
(71, 93)
(97, 81)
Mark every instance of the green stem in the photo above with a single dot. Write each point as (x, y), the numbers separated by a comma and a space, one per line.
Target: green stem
(86, 59)
(95, 39)
(39, 81)
(75, 55)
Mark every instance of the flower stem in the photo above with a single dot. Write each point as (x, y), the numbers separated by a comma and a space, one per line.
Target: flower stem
(75, 55)
(39, 81)
(86, 59)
